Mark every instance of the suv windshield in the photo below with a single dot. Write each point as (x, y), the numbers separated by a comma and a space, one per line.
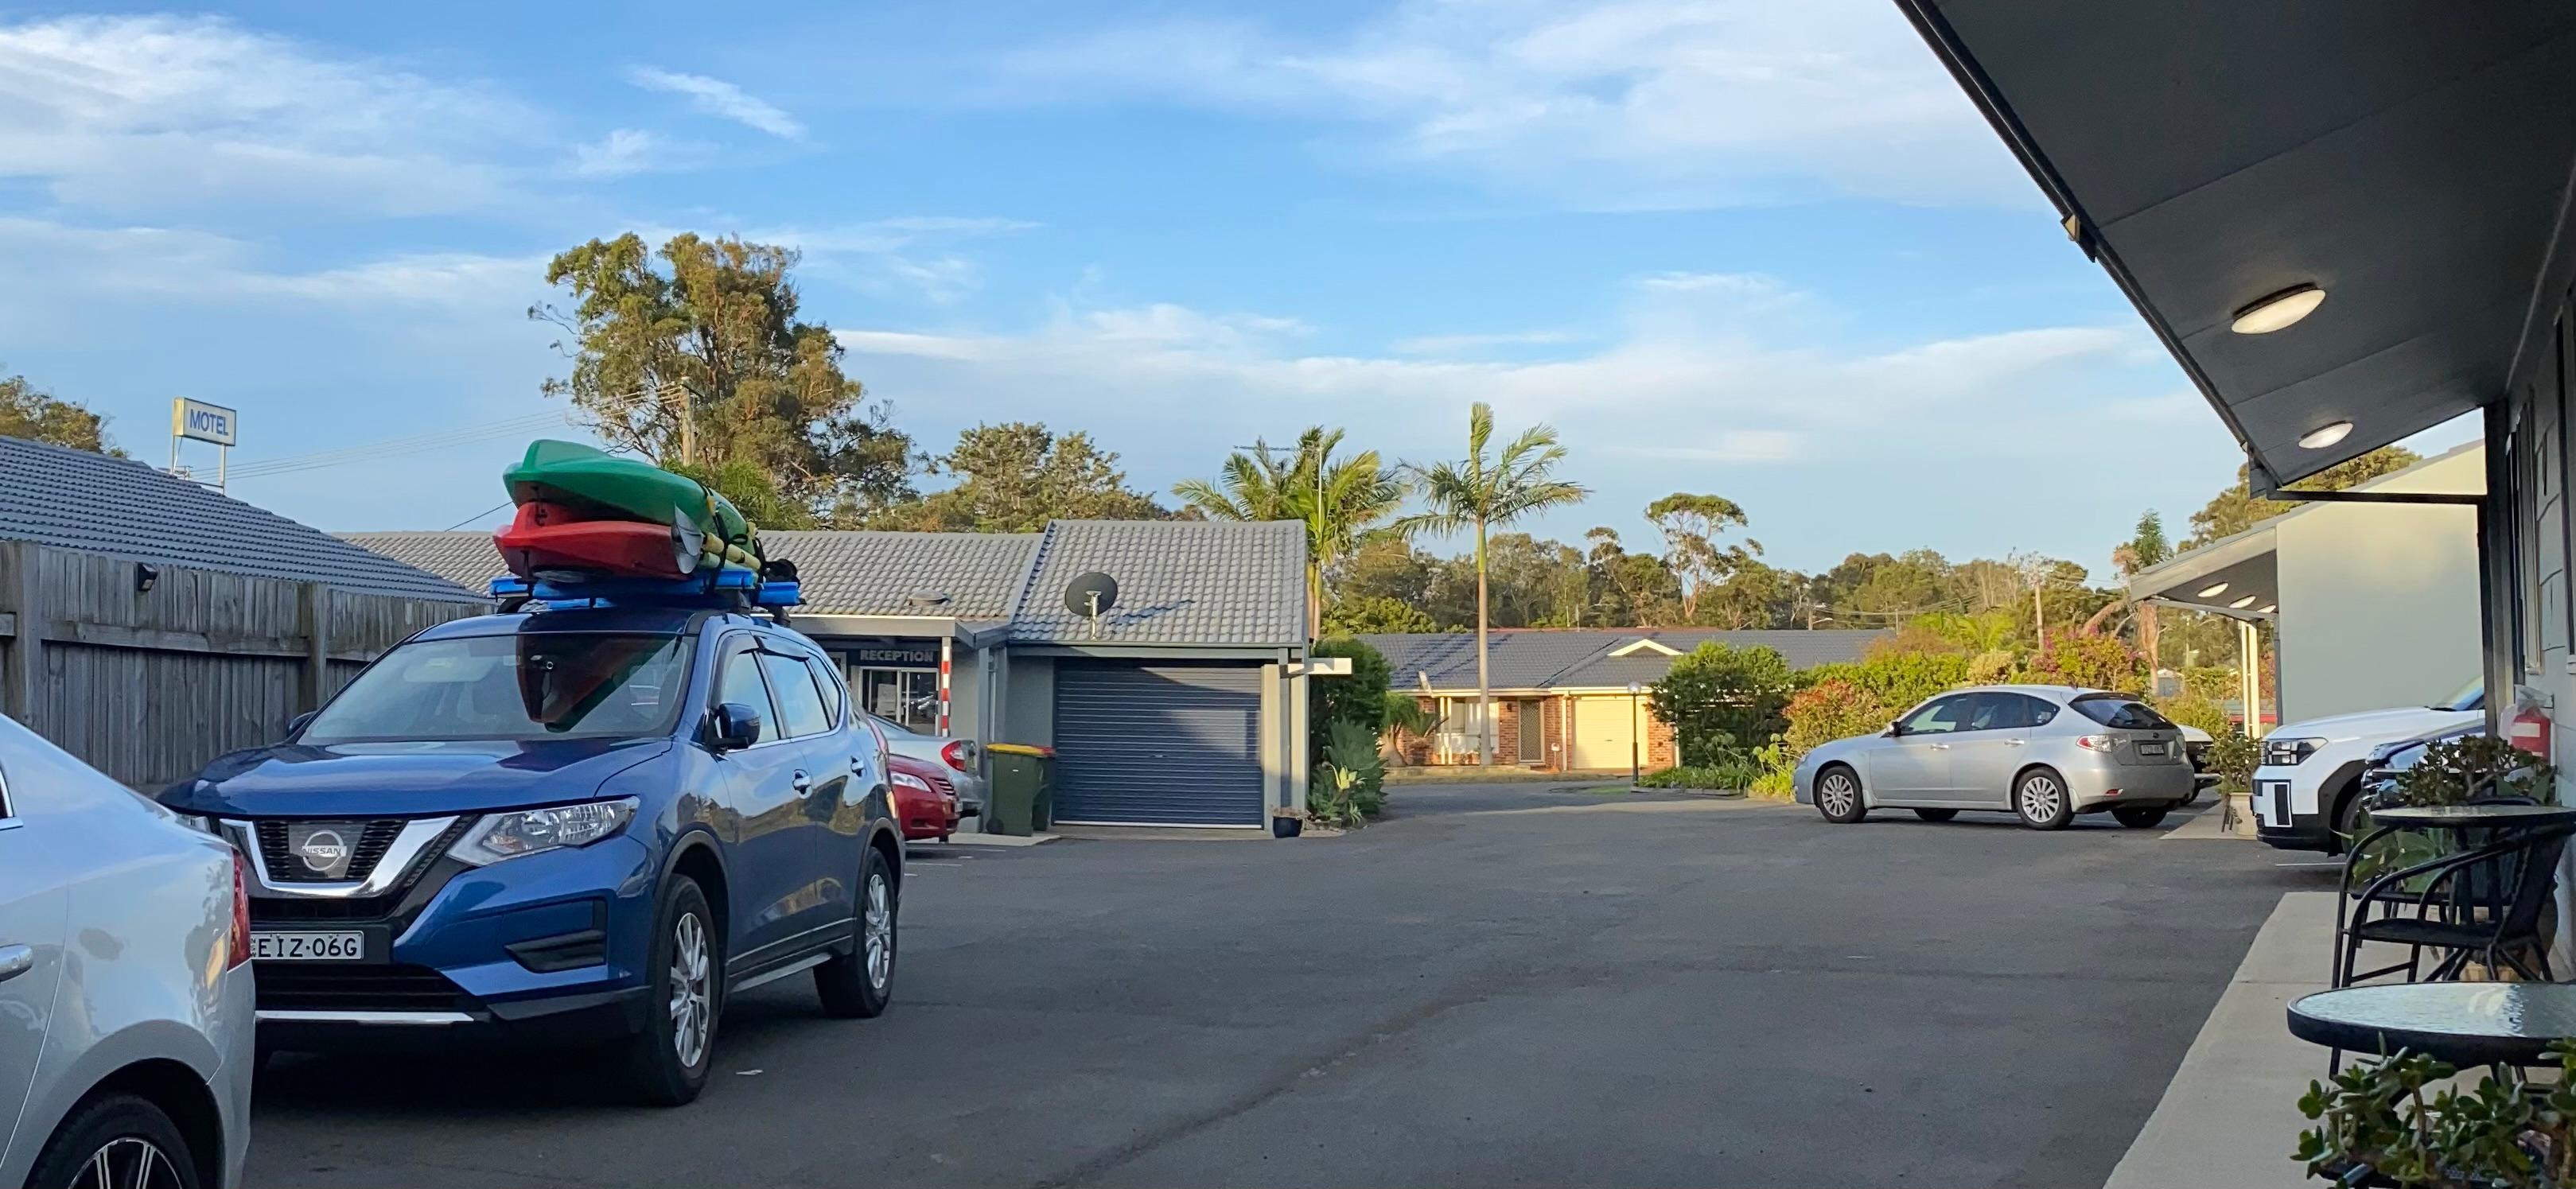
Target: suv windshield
(552, 685)
(2121, 714)
(2472, 696)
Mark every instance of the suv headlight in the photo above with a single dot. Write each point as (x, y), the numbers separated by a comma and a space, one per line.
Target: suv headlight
(527, 831)
(2284, 753)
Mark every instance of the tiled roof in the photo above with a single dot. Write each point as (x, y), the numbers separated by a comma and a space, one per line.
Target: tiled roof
(73, 499)
(843, 573)
(1539, 658)
(1179, 582)
(880, 573)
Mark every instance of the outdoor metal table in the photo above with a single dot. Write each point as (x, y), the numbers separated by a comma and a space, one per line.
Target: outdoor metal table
(2466, 1024)
(2472, 817)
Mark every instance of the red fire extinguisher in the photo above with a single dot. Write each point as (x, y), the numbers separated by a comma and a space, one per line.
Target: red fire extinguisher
(2527, 727)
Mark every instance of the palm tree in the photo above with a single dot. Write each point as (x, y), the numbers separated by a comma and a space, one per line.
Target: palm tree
(1340, 501)
(1484, 493)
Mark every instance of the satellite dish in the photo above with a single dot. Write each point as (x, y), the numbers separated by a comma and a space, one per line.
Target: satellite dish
(1091, 594)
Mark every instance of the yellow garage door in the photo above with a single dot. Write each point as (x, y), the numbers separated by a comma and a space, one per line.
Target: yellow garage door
(1603, 729)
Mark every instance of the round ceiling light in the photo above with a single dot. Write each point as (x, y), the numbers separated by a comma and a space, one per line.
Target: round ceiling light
(2243, 603)
(2280, 311)
(2269, 608)
(2211, 592)
(2325, 435)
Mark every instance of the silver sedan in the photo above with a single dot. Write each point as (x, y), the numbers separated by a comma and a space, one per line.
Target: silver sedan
(126, 1049)
(2045, 752)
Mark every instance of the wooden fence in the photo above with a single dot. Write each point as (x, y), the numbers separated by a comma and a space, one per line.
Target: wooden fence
(147, 685)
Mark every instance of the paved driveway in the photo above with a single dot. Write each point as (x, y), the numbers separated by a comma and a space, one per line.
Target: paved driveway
(1502, 985)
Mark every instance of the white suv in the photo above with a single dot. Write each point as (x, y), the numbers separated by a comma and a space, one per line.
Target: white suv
(2306, 783)
(126, 1051)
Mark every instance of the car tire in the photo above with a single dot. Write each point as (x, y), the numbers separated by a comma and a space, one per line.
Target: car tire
(1838, 795)
(666, 1064)
(2040, 797)
(125, 1130)
(2140, 817)
(858, 985)
(1936, 815)
(2347, 822)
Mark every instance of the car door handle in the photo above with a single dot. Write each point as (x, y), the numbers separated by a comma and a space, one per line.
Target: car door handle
(16, 960)
(1940, 747)
(2014, 742)
(800, 782)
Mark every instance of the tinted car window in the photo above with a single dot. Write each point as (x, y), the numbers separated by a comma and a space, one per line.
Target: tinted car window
(2122, 714)
(2041, 710)
(2009, 712)
(1941, 716)
(800, 705)
(551, 685)
(739, 681)
(829, 681)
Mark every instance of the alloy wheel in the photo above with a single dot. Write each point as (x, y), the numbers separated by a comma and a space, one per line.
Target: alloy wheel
(2040, 797)
(880, 931)
(1837, 793)
(129, 1162)
(692, 990)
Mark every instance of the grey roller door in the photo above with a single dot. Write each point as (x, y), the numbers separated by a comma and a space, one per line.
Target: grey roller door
(1158, 744)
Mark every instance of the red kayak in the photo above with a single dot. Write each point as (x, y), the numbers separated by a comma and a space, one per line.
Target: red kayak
(548, 537)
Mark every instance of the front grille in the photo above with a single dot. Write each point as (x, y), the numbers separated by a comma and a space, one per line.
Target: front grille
(373, 838)
(268, 910)
(329, 986)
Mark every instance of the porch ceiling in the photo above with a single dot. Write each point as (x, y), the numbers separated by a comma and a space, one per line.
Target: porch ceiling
(2410, 157)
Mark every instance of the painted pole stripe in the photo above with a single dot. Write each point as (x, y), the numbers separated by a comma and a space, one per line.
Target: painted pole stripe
(945, 645)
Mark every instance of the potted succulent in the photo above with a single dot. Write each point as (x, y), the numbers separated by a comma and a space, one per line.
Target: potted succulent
(2231, 758)
(2394, 1122)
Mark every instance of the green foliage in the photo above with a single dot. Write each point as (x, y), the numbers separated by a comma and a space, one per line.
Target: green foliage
(2217, 683)
(752, 489)
(2456, 770)
(1830, 709)
(1691, 525)
(1359, 699)
(1406, 715)
(29, 412)
(2376, 1124)
(709, 331)
(1982, 632)
(2235, 509)
(1349, 786)
(1898, 680)
(1371, 614)
(2192, 710)
(2233, 756)
(1723, 701)
(1017, 476)
(1729, 776)
(1339, 502)
(2093, 662)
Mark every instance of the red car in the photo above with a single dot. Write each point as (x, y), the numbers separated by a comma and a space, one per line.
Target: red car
(925, 803)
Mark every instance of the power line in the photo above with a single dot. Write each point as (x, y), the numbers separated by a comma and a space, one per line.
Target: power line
(477, 516)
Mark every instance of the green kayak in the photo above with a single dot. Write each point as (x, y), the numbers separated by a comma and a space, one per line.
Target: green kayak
(602, 485)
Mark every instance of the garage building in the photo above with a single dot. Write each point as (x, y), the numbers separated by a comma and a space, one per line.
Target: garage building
(1184, 704)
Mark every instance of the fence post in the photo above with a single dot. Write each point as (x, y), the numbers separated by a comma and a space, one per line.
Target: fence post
(315, 599)
(22, 676)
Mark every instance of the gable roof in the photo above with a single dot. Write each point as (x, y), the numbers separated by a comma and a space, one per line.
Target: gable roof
(1180, 583)
(92, 503)
(1547, 658)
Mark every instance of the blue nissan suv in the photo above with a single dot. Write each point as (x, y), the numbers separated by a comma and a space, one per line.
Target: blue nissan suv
(583, 826)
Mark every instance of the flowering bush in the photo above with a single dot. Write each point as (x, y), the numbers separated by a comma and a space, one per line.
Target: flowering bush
(2094, 662)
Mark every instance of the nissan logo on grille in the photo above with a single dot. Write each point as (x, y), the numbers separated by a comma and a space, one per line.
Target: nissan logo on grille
(322, 851)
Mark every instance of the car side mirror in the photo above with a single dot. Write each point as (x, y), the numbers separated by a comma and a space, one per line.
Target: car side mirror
(295, 726)
(733, 726)
(1895, 729)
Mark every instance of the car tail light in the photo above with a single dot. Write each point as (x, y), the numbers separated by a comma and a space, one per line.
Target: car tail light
(241, 917)
(954, 754)
(2097, 742)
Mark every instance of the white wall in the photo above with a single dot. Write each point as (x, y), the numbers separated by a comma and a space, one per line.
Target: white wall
(2379, 602)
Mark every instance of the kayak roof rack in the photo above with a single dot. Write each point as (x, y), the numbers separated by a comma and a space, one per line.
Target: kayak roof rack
(729, 589)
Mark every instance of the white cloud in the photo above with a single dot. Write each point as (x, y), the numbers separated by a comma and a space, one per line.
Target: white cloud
(721, 99)
(1471, 344)
(127, 264)
(624, 151)
(129, 112)
(904, 252)
(1612, 103)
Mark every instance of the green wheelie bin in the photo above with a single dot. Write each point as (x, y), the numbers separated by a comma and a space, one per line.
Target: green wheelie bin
(1023, 793)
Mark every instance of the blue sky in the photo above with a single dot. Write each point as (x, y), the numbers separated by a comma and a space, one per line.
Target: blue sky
(1755, 249)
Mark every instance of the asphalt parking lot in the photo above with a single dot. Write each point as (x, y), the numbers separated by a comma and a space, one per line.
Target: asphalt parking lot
(1502, 984)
